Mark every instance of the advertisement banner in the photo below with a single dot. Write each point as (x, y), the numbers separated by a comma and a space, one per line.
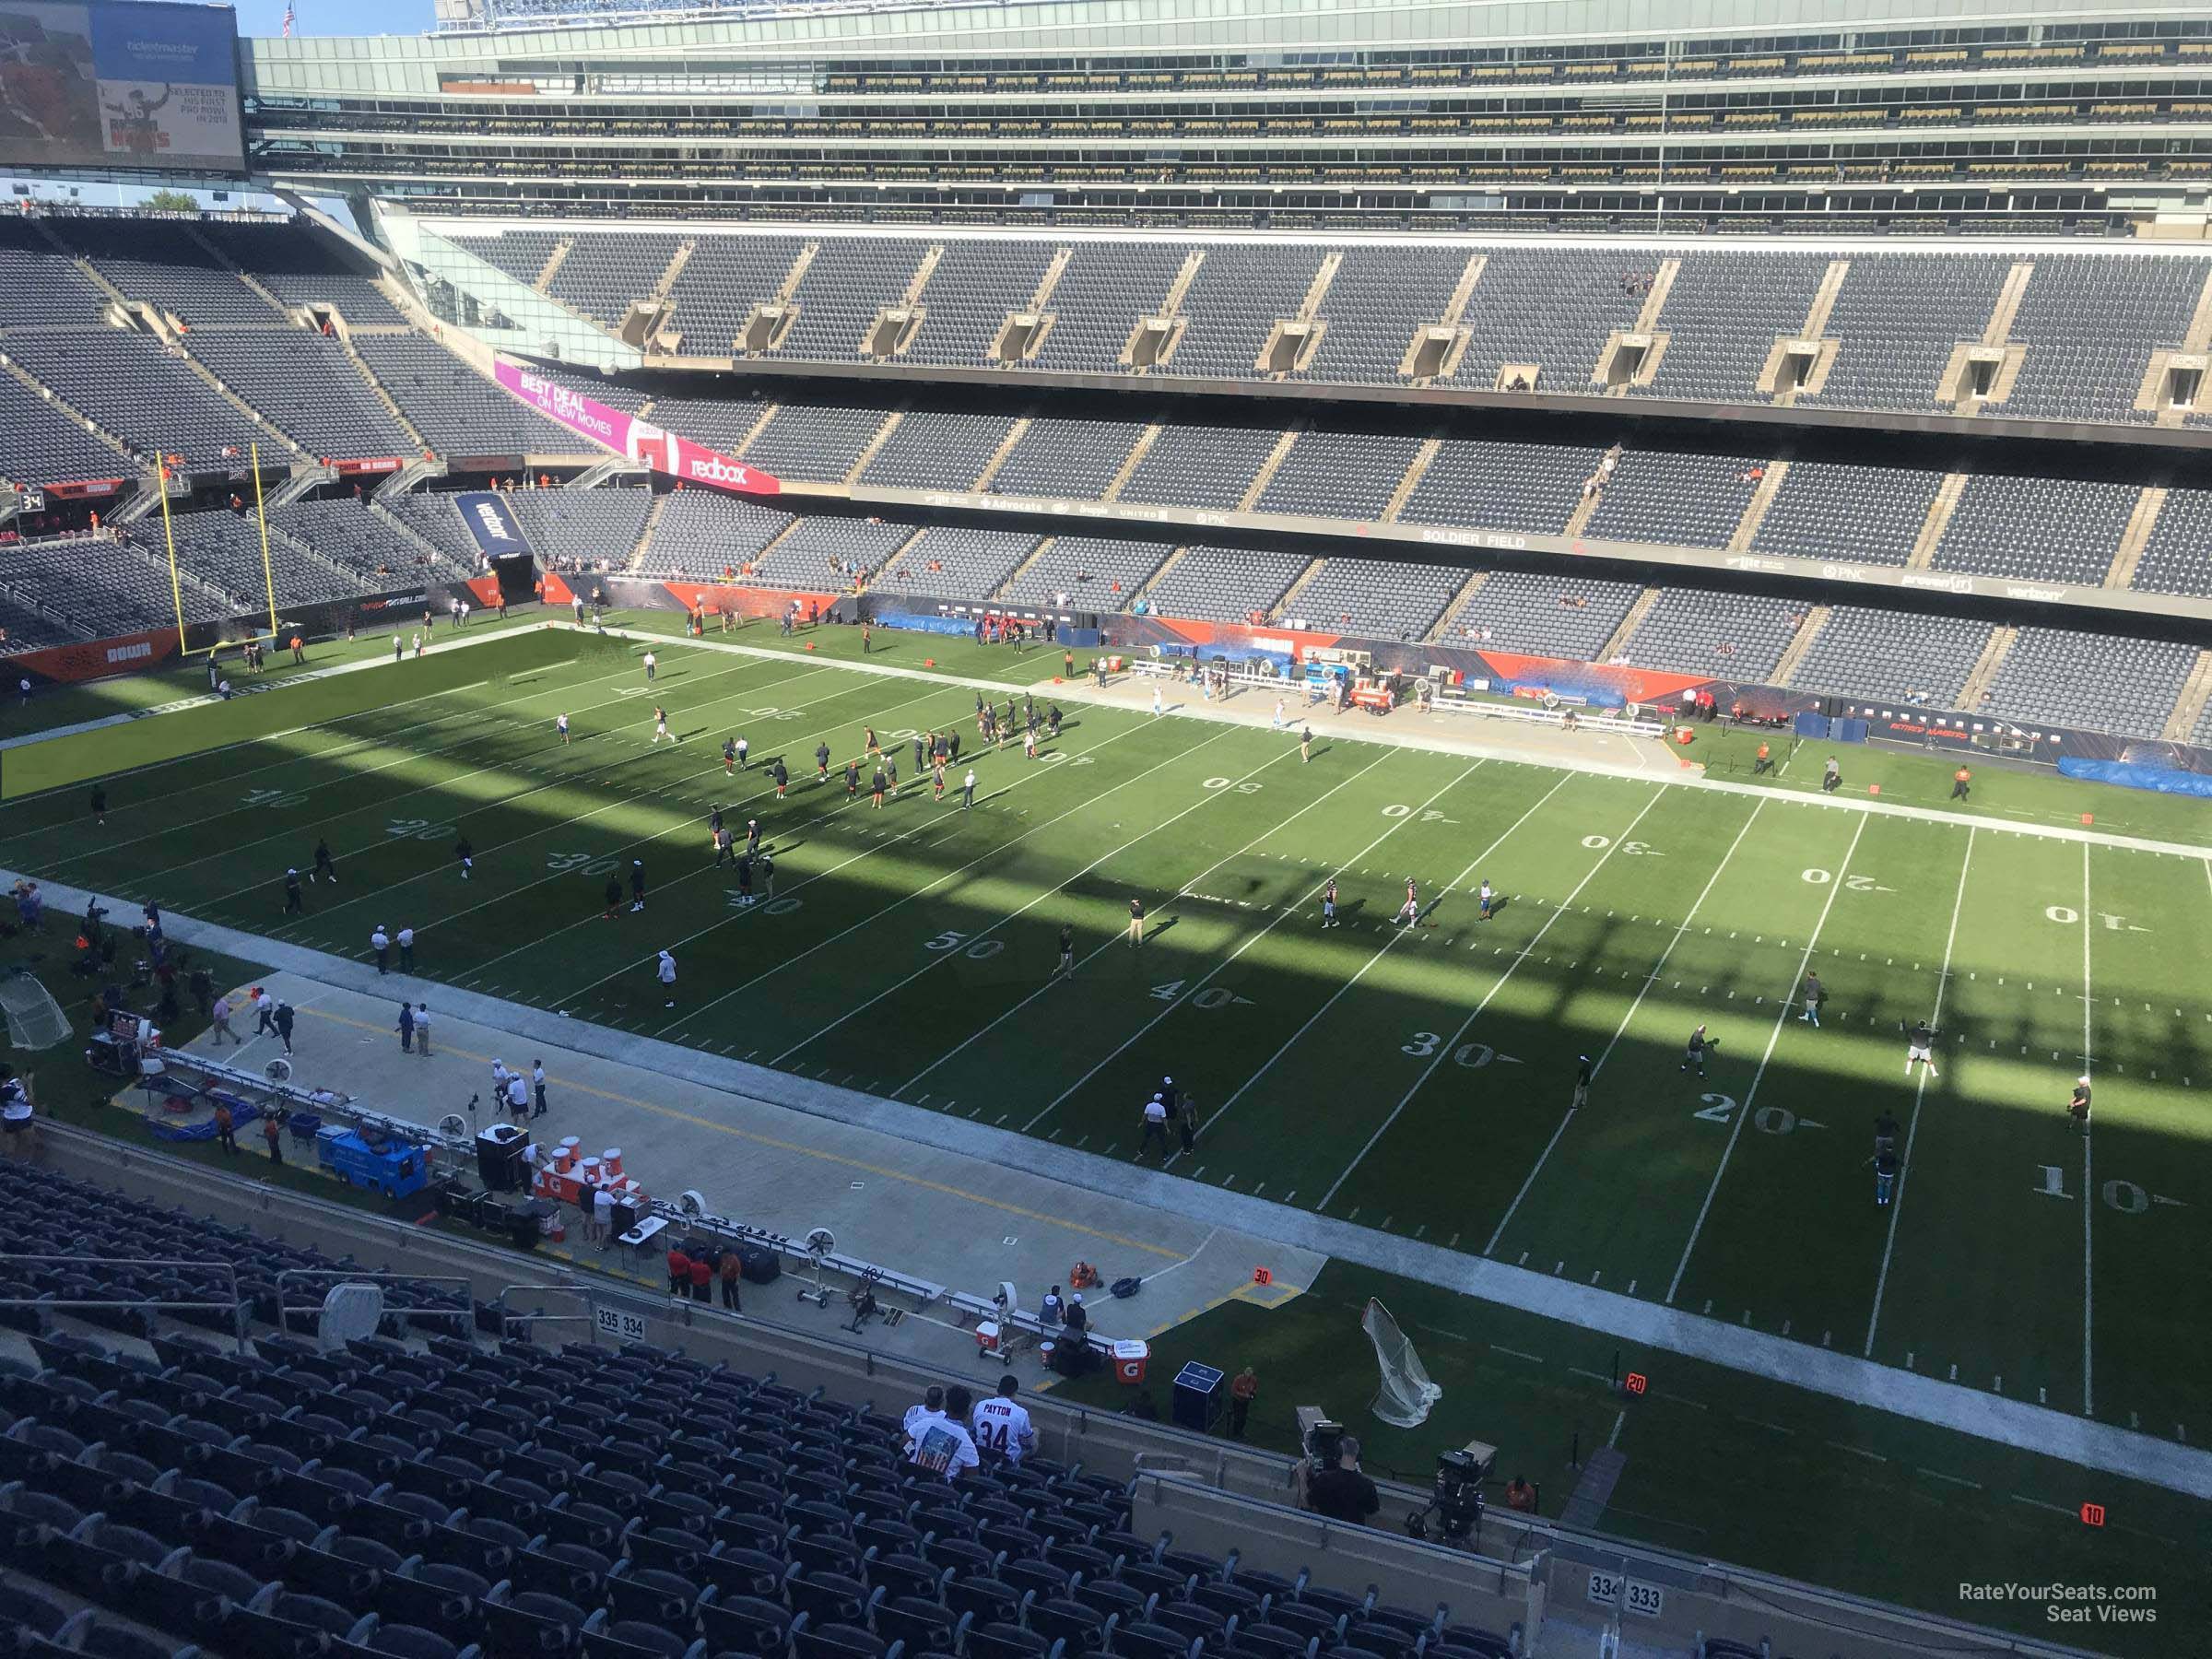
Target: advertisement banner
(491, 520)
(633, 439)
(119, 83)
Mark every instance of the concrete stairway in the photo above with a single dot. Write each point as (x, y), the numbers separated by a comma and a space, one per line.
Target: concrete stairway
(2189, 707)
(1436, 629)
(2136, 538)
(1619, 642)
(1983, 675)
(1939, 520)
(1794, 653)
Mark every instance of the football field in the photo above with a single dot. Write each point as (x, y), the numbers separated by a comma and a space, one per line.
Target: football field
(1416, 1080)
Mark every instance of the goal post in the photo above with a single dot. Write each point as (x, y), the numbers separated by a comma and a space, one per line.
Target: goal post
(1406, 1393)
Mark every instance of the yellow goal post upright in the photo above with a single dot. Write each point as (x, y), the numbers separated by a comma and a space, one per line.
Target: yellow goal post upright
(169, 536)
(261, 514)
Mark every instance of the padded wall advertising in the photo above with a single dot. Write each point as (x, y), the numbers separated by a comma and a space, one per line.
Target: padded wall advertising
(119, 83)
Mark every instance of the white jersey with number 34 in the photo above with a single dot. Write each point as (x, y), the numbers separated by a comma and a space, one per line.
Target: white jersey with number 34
(1003, 1426)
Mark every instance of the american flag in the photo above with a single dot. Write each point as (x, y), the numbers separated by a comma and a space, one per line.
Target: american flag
(288, 19)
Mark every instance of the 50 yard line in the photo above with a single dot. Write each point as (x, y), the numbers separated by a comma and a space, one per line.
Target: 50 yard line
(1904, 1168)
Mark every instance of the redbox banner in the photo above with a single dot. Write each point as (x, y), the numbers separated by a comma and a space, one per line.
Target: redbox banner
(633, 439)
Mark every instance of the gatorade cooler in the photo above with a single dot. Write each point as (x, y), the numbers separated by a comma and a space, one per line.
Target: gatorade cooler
(610, 1163)
(587, 1171)
(986, 1338)
(1129, 1362)
(565, 1155)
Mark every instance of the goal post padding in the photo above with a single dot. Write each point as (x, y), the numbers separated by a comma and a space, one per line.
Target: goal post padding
(1406, 1393)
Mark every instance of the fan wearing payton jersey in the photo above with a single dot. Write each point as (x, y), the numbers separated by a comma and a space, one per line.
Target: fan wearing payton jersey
(1002, 1424)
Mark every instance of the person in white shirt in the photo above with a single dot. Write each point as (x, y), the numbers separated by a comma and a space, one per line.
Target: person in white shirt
(651, 662)
(561, 725)
(1002, 1423)
(407, 949)
(1156, 709)
(603, 1215)
(498, 1082)
(537, 1086)
(422, 1029)
(919, 1417)
(518, 1097)
(968, 792)
(938, 1439)
(380, 942)
(1156, 1127)
(668, 974)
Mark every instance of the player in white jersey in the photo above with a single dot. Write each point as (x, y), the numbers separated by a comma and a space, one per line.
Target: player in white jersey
(1002, 1423)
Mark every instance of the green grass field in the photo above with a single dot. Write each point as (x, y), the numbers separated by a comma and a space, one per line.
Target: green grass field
(1415, 1080)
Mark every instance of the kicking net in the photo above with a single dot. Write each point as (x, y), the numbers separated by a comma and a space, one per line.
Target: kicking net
(34, 1020)
(1406, 1394)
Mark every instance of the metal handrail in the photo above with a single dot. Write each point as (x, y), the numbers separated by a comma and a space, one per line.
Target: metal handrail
(235, 1307)
(346, 1277)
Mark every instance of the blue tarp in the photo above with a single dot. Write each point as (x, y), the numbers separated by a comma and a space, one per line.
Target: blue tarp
(2163, 780)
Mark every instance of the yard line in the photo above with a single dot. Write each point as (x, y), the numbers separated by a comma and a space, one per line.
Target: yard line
(561, 781)
(1281, 915)
(1904, 1168)
(2088, 1206)
(1619, 1029)
(937, 961)
(1736, 1129)
(810, 823)
(1110, 943)
(878, 846)
(348, 776)
(1497, 985)
(1383, 947)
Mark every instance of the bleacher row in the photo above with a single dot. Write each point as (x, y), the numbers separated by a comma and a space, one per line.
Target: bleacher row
(2018, 528)
(242, 360)
(331, 550)
(426, 1497)
(2089, 323)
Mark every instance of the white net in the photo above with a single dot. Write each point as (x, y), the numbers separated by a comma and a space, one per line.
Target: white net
(1406, 1393)
(34, 1020)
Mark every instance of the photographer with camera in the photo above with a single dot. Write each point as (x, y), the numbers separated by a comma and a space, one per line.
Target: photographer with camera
(1342, 1492)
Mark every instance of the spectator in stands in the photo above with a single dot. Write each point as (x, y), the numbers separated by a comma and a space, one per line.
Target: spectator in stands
(15, 1109)
(1344, 1493)
(934, 1440)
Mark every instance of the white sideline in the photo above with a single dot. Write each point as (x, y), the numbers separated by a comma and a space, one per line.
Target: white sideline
(2043, 1430)
(1071, 691)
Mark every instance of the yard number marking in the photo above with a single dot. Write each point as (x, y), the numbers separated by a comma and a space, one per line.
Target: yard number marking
(1816, 877)
(1634, 849)
(2124, 1197)
(983, 950)
(1232, 784)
